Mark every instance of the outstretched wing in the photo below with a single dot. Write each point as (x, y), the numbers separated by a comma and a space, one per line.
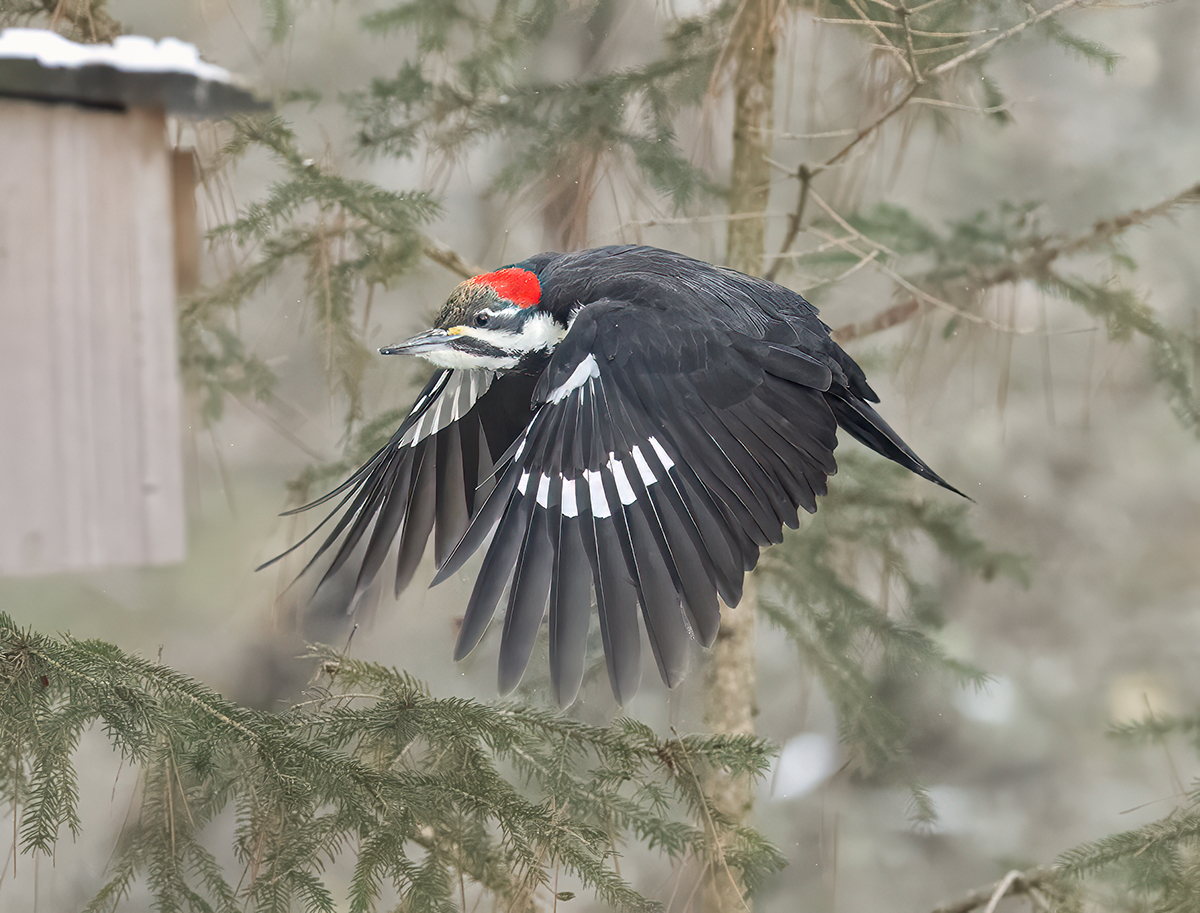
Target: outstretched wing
(663, 455)
(429, 478)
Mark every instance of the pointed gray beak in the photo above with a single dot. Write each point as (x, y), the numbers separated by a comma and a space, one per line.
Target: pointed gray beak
(429, 341)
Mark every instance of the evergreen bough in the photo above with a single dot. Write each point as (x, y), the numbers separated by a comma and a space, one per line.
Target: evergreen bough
(429, 798)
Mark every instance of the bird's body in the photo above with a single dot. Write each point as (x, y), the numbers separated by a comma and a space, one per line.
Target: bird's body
(630, 422)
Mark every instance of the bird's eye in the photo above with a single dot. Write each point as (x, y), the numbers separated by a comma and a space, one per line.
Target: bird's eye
(481, 320)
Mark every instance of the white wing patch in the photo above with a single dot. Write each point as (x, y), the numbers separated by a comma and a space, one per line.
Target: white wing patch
(596, 493)
(624, 489)
(648, 477)
(448, 404)
(593, 482)
(570, 507)
(584, 371)
(666, 461)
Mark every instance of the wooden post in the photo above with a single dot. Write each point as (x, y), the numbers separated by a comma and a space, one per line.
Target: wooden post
(90, 456)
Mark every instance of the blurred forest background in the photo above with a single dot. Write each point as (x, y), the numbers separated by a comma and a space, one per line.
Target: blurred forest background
(989, 205)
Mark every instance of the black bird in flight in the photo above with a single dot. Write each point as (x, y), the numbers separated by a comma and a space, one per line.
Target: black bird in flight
(631, 423)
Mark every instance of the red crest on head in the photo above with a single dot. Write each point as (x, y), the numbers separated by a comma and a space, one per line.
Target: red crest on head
(514, 284)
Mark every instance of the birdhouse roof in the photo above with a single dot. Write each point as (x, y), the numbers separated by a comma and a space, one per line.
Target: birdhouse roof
(132, 72)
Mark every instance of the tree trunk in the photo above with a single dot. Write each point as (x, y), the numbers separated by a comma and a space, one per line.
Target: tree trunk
(730, 681)
(752, 59)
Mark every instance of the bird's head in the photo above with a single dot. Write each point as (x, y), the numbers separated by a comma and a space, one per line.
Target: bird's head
(491, 321)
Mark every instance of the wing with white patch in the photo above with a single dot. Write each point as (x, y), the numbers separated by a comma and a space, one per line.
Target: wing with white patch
(662, 456)
(430, 478)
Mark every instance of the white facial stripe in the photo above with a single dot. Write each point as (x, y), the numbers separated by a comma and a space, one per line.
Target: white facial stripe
(624, 489)
(648, 477)
(596, 493)
(569, 507)
(543, 492)
(666, 461)
(585, 370)
(540, 331)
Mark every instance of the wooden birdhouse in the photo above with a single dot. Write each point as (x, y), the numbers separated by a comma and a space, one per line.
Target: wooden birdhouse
(96, 217)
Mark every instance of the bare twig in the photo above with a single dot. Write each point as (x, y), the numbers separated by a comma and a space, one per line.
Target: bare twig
(806, 174)
(905, 19)
(874, 125)
(794, 221)
(1001, 889)
(726, 217)
(89, 20)
(1013, 884)
(876, 23)
(955, 106)
(962, 58)
(847, 227)
(449, 259)
(870, 23)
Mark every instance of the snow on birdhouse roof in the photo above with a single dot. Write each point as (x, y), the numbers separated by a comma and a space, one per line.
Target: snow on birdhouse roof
(129, 53)
(134, 71)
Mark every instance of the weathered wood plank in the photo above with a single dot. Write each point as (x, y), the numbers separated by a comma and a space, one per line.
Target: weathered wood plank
(90, 457)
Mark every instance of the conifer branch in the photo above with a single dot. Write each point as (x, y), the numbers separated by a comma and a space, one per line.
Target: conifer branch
(944, 68)
(379, 766)
(1031, 260)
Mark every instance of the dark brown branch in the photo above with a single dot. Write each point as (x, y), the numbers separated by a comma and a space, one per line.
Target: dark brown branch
(874, 125)
(1021, 883)
(805, 174)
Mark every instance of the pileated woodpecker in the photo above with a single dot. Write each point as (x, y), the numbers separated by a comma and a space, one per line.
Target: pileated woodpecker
(630, 422)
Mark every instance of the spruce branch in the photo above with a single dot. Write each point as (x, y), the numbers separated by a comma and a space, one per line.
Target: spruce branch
(943, 68)
(372, 768)
(1030, 259)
